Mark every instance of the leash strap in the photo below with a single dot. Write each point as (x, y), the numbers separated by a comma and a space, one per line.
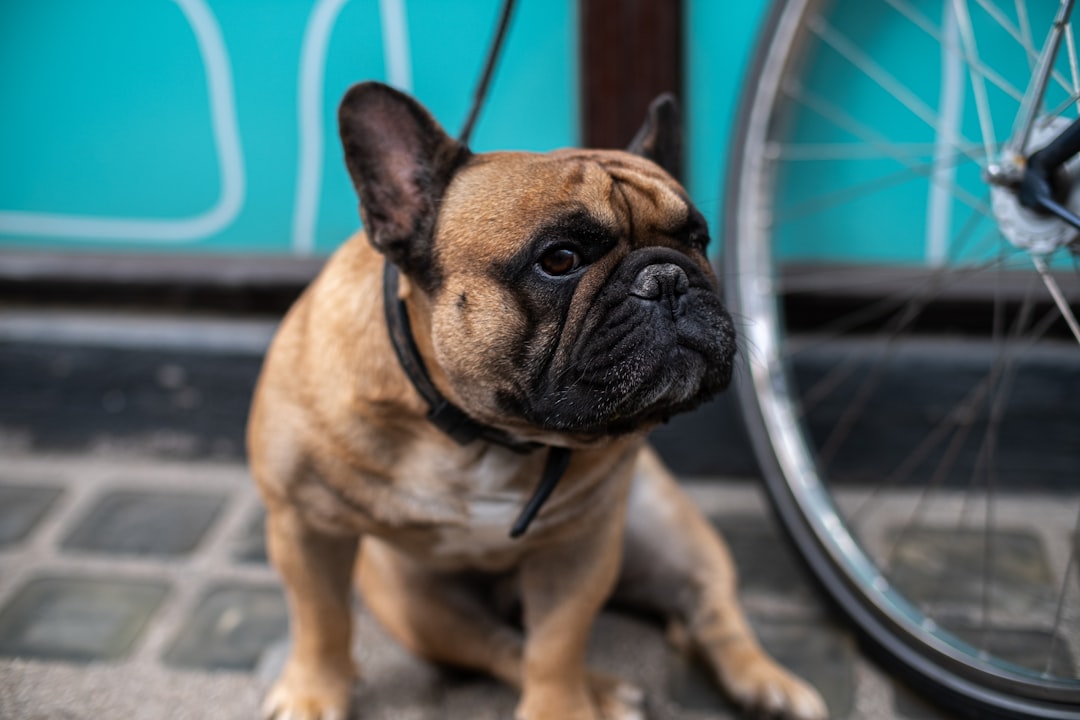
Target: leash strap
(489, 69)
(557, 460)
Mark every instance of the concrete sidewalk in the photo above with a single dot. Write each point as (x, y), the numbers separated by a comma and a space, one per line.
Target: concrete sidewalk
(133, 578)
(139, 588)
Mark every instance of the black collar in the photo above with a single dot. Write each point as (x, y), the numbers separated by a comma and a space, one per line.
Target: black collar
(451, 419)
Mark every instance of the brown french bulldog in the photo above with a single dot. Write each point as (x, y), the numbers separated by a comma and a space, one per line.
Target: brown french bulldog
(561, 305)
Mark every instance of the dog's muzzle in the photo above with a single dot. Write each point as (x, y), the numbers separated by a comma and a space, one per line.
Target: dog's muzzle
(657, 341)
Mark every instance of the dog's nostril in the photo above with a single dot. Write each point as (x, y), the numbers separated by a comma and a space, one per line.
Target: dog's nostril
(656, 281)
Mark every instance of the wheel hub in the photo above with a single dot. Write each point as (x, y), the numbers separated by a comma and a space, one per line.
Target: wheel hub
(1035, 232)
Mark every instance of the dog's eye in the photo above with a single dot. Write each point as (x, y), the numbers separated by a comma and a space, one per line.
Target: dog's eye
(560, 261)
(698, 240)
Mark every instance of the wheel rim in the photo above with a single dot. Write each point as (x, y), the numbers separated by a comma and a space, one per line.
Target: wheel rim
(794, 123)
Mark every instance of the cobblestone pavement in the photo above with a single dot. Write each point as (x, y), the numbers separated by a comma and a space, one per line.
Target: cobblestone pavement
(140, 589)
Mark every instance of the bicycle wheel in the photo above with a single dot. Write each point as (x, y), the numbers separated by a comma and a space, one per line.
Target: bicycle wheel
(911, 383)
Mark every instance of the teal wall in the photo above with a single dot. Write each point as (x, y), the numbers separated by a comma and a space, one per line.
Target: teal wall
(208, 125)
(720, 39)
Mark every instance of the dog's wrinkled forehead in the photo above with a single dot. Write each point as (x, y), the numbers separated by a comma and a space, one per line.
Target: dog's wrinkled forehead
(502, 197)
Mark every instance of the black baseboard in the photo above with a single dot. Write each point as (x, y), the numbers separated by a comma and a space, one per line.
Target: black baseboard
(244, 284)
(188, 400)
(193, 404)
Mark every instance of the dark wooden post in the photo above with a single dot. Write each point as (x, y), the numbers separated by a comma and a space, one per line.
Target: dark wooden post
(631, 51)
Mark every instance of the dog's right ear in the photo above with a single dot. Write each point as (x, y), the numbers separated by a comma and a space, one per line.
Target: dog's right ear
(400, 161)
(660, 137)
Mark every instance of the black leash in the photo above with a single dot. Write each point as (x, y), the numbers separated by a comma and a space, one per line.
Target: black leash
(489, 69)
(451, 419)
(443, 414)
(557, 461)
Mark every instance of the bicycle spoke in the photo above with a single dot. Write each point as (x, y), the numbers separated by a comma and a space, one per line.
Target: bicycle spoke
(962, 419)
(982, 70)
(845, 122)
(1021, 33)
(1060, 109)
(978, 85)
(844, 425)
(925, 293)
(998, 339)
(807, 151)
(862, 132)
(1074, 70)
(846, 195)
(899, 302)
(989, 546)
(1059, 612)
(872, 70)
(1059, 297)
(1024, 27)
(921, 452)
(987, 457)
(966, 408)
(951, 98)
(1036, 89)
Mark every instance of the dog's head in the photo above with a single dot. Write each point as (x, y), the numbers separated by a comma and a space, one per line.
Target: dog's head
(565, 293)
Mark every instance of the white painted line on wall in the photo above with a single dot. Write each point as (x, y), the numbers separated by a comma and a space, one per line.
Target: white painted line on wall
(218, 71)
(943, 176)
(312, 78)
(395, 32)
(310, 110)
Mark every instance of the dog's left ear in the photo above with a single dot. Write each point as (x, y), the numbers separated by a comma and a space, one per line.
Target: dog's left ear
(660, 138)
(401, 162)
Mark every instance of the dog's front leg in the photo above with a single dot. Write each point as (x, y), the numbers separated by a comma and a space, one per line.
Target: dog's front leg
(316, 569)
(563, 588)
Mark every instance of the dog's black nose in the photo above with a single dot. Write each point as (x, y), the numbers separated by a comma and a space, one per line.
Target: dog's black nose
(659, 281)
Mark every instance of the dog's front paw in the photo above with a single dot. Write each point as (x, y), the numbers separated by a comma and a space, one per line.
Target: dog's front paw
(767, 688)
(616, 699)
(556, 703)
(606, 698)
(301, 695)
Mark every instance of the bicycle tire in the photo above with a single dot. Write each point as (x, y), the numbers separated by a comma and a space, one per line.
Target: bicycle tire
(952, 671)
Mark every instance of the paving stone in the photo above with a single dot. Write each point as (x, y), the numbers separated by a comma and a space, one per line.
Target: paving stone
(231, 628)
(910, 706)
(394, 682)
(77, 619)
(691, 685)
(943, 570)
(479, 698)
(250, 545)
(816, 651)
(61, 623)
(132, 522)
(21, 507)
(764, 558)
(819, 652)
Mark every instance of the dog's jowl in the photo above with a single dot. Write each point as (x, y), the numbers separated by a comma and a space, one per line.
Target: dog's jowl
(542, 312)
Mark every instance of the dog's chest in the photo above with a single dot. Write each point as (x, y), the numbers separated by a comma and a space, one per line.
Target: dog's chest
(491, 497)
